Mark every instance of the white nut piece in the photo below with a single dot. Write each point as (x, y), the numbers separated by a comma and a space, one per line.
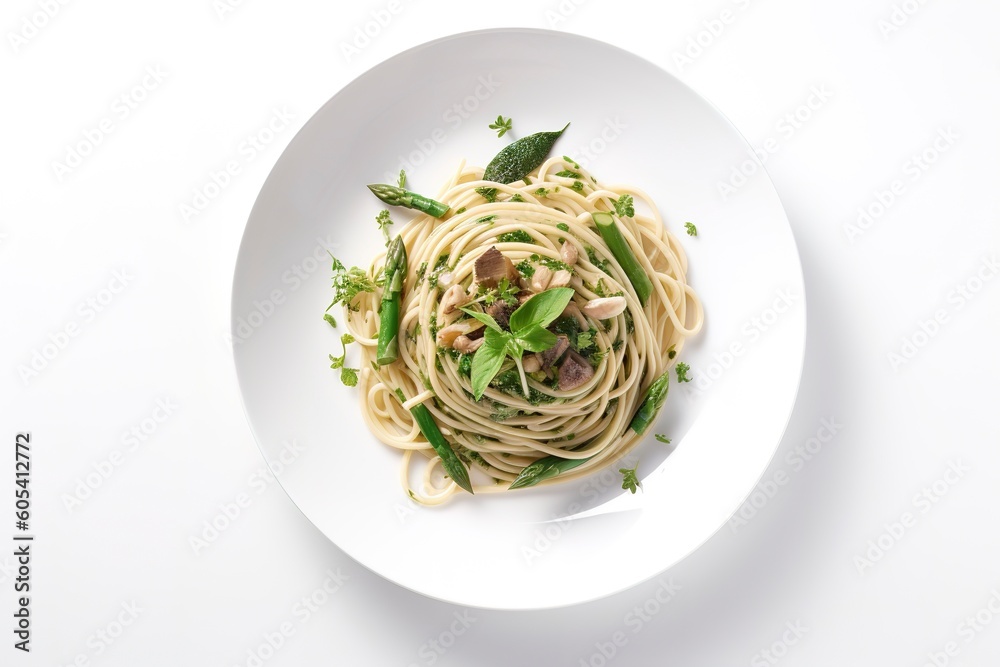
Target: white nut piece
(602, 309)
(446, 336)
(560, 278)
(467, 345)
(445, 279)
(569, 253)
(453, 298)
(540, 279)
(531, 364)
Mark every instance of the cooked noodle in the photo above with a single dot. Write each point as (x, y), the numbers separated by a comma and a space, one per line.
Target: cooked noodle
(504, 432)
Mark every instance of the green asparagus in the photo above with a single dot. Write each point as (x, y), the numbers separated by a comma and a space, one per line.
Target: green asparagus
(544, 469)
(452, 465)
(651, 403)
(396, 196)
(392, 295)
(623, 253)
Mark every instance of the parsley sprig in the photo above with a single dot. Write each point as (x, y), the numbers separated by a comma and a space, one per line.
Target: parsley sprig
(348, 283)
(349, 376)
(502, 125)
(691, 229)
(630, 479)
(527, 334)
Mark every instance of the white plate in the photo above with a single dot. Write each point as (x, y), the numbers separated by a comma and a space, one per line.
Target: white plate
(631, 123)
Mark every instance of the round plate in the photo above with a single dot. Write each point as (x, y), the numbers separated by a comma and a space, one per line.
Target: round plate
(426, 110)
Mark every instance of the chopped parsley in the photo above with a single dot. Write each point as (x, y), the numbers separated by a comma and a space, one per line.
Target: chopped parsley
(568, 160)
(461, 210)
(630, 480)
(567, 173)
(486, 218)
(624, 206)
(662, 438)
(542, 192)
(563, 227)
(691, 229)
(329, 318)
(585, 339)
(517, 197)
(602, 264)
(504, 291)
(517, 236)
(502, 125)
(682, 371)
(577, 186)
(525, 268)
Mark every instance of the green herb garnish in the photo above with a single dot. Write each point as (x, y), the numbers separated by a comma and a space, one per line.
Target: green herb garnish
(527, 333)
(630, 480)
(691, 229)
(502, 125)
(624, 206)
(682, 371)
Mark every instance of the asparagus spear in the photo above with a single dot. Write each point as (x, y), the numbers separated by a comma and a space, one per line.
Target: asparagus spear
(388, 331)
(394, 196)
(452, 465)
(651, 403)
(623, 253)
(544, 469)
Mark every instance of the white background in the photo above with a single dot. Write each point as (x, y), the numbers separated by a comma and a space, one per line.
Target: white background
(798, 560)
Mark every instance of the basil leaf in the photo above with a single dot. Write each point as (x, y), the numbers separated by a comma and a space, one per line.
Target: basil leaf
(486, 364)
(541, 309)
(483, 317)
(536, 339)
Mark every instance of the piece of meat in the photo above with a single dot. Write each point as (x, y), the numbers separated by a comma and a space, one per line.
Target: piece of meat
(574, 372)
(492, 266)
(501, 311)
(551, 355)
